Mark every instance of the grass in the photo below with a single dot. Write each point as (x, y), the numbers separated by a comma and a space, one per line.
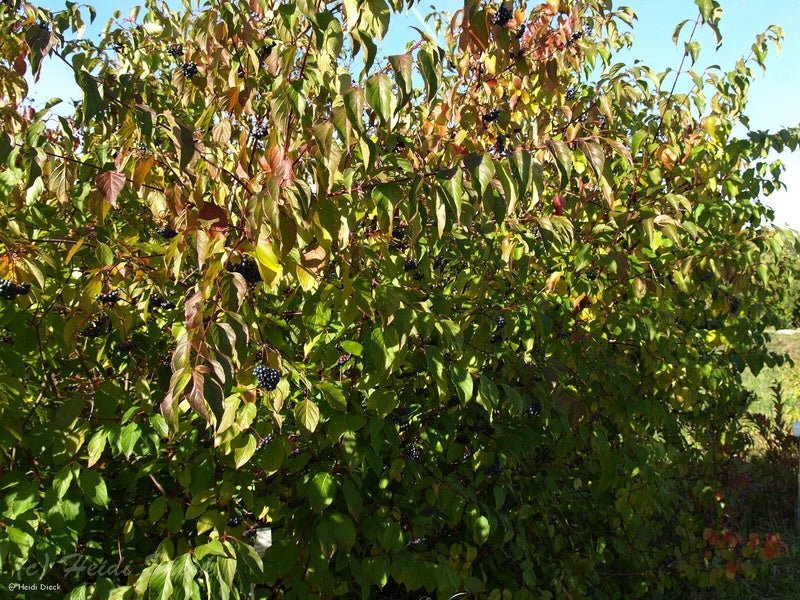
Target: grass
(778, 578)
(787, 375)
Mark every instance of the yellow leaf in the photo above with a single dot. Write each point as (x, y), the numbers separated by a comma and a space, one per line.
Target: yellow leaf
(143, 169)
(73, 250)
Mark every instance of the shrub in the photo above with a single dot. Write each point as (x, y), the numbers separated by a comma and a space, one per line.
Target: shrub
(470, 319)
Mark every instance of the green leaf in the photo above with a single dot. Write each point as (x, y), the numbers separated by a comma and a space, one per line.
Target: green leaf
(381, 97)
(246, 447)
(435, 360)
(461, 378)
(334, 395)
(96, 446)
(481, 169)
(322, 490)
(93, 487)
(430, 69)
(354, 107)
(160, 582)
(128, 437)
(401, 67)
(563, 157)
(62, 480)
(344, 530)
(481, 530)
(706, 7)
(306, 413)
(594, 152)
(184, 571)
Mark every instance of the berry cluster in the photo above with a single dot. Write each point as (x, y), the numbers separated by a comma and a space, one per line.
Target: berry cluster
(234, 521)
(260, 131)
(267, 377)
(503, 16)
(590, 275)
(410, 264)
(247, 268)
(175, 50)
(500, 146)
(10, 290)
(263, 442)
(166, 232)
(534, 410)
(575, 37)
(399, 240)
(521, 31)
(111, 297)
(501, 321)
(734, 306)
(343, 358)
(189, 69)
(570, 95)
(265, 51)
(96, 328)
(159, 301)
(399, 417)
(491, 116)
(493, 470)
(413, 452)
(126, 345)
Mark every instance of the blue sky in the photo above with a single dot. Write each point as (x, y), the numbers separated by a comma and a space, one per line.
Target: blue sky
(773, 101)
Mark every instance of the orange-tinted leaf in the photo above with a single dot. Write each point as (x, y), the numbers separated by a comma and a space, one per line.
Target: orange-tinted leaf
(142, 169)
(772, 546)
(731, 569)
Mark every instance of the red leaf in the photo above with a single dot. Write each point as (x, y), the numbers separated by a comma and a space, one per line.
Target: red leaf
(772, 547)
(110, 184)
(731, 569)
(197, 398)
(215, 215)
(559, 204)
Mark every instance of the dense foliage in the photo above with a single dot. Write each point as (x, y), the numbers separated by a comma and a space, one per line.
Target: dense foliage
(469, 319)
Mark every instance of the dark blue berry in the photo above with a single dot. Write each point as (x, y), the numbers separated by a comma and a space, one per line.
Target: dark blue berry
(189, 69)
(263, 442)
(413, 452)
(96, 328)
(111, 297)
(247, 268)
(175, 50)
(10, 290)
(166, 232)
(159, 301)
(502, 16)
(260, 131)
(493, 470)
(410, 264)
(491, 115)
(267, 377)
